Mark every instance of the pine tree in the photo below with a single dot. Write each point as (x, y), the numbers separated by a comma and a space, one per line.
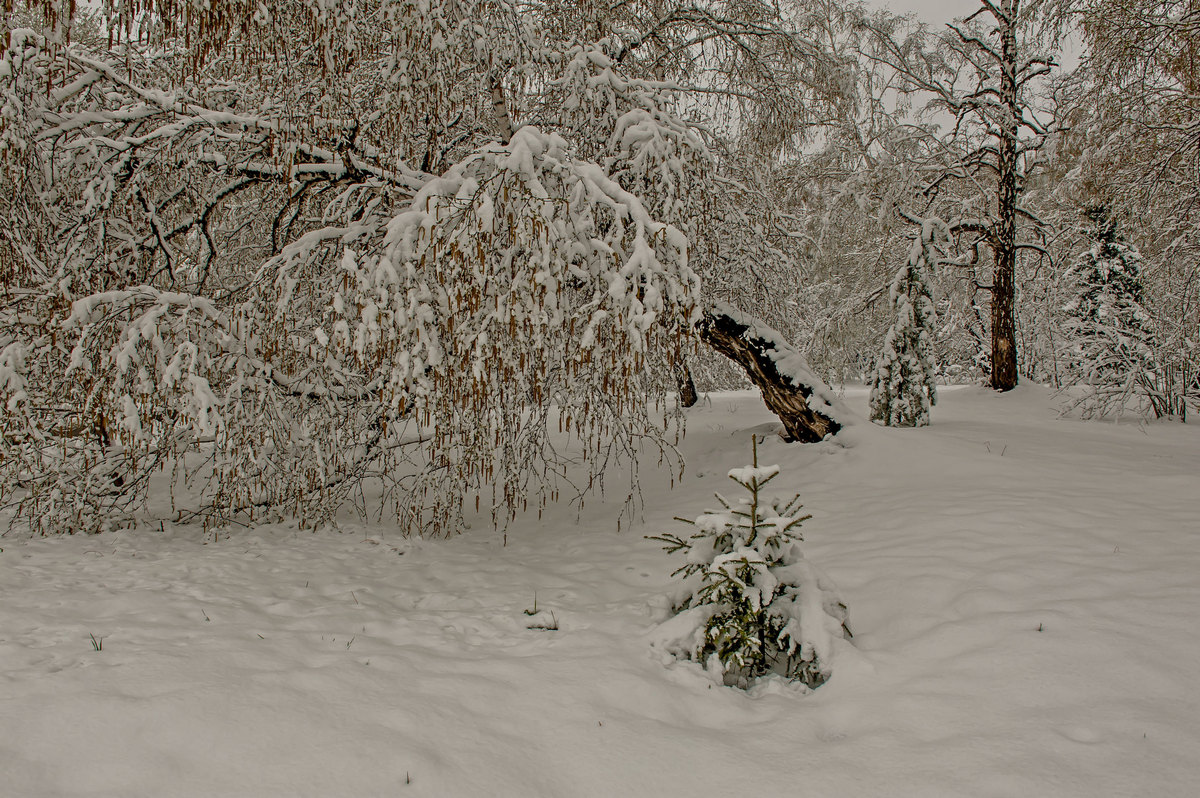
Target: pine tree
(904, 388)
(1109, 353)
(755, 605)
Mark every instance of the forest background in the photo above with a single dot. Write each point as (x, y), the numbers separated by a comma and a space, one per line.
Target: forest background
(304, 257)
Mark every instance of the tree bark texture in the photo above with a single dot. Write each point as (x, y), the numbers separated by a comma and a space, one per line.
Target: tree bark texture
(1004, 328)
(500, 107)
(757, 353)
(687, 386)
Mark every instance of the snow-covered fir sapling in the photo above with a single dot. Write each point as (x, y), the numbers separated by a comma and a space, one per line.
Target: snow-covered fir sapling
(903, 388)
(753, 605)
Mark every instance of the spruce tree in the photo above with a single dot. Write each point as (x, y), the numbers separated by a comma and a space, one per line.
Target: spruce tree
(754, 605)
(904, 388)
(1109, 351)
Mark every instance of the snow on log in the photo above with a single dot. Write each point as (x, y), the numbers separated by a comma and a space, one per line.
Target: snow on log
(805, 405)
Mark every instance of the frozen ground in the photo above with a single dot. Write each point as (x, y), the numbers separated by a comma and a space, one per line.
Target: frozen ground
(1025, 593)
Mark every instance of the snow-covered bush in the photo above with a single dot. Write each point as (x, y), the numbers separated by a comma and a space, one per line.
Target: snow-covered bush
(1109, 353)
(903, 388)
(753, 605)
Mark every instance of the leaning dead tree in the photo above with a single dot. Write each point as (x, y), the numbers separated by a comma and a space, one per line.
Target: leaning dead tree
(801, 400)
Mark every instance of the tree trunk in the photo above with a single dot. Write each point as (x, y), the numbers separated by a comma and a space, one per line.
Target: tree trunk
(774, 367)
(1004, 327)
(687, 386)
(500, 107)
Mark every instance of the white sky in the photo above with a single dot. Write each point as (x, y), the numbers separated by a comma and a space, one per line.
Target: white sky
(932, 11)
(941, 11)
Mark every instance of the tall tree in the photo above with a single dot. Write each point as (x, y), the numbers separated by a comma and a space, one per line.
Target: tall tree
(981, 78)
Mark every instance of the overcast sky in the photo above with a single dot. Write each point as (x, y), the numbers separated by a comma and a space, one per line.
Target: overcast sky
(930, 10)
(942, 11)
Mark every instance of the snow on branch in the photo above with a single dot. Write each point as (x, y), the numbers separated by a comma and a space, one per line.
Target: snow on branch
(522, 278)
(276, 266)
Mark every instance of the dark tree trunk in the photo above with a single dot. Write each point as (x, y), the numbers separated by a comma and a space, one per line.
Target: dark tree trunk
(758, 351)
(687, 387)
(1004, 327)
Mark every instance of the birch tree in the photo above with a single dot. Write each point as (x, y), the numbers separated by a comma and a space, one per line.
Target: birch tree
(284, 249)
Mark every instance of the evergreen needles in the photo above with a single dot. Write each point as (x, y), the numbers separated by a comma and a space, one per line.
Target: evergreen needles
(1109, 354)
(903, 388)
(754, 605)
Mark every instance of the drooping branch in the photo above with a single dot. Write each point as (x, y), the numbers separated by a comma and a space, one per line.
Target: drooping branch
(292, 255)
(802, 401)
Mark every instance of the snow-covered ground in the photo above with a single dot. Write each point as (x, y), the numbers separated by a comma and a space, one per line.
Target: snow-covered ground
(1025, 593)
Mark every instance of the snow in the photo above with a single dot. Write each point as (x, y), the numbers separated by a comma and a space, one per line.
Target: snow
(750, 475)
(1022, 589)
(12, 378)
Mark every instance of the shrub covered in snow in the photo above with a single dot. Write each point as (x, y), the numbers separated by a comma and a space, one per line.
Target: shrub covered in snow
(753, 605)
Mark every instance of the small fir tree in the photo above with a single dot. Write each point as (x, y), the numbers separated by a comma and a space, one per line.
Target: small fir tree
(903, 388)
(1110, 346)
(753, 605)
